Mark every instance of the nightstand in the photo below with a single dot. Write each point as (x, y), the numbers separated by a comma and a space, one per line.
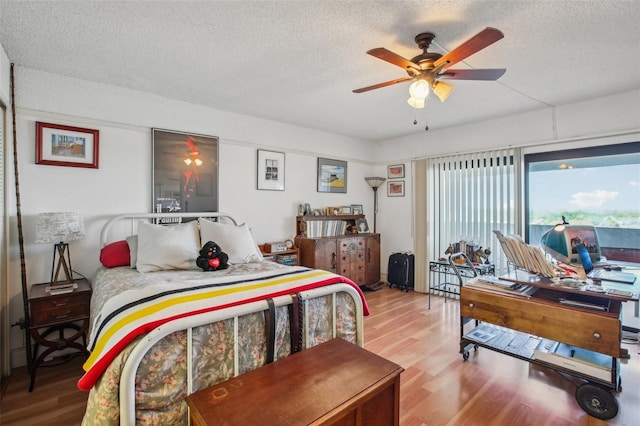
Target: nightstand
(50, 315)
(284, 257)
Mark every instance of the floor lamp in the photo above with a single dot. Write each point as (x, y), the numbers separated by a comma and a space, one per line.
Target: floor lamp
(375, 183)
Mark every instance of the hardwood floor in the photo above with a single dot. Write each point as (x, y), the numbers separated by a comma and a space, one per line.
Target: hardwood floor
(438, 387)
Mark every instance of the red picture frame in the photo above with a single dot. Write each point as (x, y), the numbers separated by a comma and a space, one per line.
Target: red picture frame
(60, 145)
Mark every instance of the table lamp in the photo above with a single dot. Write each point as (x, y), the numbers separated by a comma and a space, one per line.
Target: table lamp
(60, 228)
(374, 183)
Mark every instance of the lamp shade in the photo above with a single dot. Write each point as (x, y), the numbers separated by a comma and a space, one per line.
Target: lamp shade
(419, 89)
(59, 227)
(375, 182)
(415, 102)
(442, 90)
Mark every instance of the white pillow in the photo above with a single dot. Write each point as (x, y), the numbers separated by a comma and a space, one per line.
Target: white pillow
(132, 240)
(166, 247)
(236, 241)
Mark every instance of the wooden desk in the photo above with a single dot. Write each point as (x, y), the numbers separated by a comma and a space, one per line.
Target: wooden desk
(336, 383)
(544, 315)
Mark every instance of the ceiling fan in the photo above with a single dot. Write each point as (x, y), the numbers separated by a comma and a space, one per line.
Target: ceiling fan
(427, 69)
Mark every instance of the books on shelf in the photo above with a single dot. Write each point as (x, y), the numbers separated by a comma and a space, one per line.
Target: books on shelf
(529, 346)
(325, 228)
(524, 256)
(505, 339)
(287, 259)
(580, 360)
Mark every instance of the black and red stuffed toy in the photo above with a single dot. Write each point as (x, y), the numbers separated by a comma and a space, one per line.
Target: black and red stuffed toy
(212, 258)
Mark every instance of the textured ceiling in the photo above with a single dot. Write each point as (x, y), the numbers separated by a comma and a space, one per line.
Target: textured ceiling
(298, 61)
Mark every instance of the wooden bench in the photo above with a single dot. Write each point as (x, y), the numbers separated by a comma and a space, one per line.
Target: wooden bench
(335, 383)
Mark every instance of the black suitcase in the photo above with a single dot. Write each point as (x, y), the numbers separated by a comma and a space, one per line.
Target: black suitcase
(400, 272)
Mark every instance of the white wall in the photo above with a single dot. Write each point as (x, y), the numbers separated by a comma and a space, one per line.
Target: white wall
(602, 121)
(122, 183)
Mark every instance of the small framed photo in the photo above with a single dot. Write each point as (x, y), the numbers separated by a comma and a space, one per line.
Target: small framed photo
(333, 211)
(270, 170)
(363, 226)
(346, 210)
(332, 175)
(58, 145)
(395, 171)
(395, 188)
(356, 209)
(317, 212)
(307, 209)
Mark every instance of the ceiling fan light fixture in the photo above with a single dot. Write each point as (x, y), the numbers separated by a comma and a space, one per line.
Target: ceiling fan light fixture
(419, 89)
(415, 102)
(442, 90)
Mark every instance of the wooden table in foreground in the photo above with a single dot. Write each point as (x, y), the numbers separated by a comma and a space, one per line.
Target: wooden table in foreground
(335, 383)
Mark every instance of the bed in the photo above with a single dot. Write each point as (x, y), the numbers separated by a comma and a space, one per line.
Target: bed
(161, 328)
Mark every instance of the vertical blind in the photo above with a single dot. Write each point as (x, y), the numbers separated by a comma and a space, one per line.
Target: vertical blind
(469, 196)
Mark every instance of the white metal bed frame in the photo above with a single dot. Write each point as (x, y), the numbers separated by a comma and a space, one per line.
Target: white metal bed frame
(127, 380)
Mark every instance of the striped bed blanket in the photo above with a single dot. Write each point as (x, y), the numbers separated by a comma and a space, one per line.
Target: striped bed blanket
(127, 303)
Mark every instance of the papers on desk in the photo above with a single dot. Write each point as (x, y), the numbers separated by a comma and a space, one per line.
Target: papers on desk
(500, 286)
(523, 255)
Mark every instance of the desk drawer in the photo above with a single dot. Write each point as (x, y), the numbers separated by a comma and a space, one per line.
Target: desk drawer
(590, 330)
(60, 309)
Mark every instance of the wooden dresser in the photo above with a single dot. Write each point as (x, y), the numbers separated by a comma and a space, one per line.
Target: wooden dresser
(335, 383)
(355, 256)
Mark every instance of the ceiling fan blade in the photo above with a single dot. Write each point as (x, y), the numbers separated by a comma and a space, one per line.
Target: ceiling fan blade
(476, 43)
(480, 74)
(385, 84)
(393, 58)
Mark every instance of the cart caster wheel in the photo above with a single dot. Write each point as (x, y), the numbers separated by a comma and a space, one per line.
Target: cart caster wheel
(465, 355)
(596, 401)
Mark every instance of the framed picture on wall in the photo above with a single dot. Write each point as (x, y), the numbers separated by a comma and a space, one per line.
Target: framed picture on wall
(59, 145)
(185, 172)
(332, 175)
(395, 171)
(395, 188)
(270, 170)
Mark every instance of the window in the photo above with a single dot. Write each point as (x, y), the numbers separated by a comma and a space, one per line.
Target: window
(598, 186)
(470, 197)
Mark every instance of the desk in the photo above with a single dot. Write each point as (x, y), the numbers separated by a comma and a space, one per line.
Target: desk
(543, 314)
(441, 271)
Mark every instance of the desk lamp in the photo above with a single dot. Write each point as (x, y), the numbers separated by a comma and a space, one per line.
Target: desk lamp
(60, 228)
(374, 183)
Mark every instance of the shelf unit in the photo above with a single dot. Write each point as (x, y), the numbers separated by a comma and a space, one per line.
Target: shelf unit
(441, 272)
(294, 252)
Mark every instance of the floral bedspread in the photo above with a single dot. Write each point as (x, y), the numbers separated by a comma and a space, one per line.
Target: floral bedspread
(161, 380)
